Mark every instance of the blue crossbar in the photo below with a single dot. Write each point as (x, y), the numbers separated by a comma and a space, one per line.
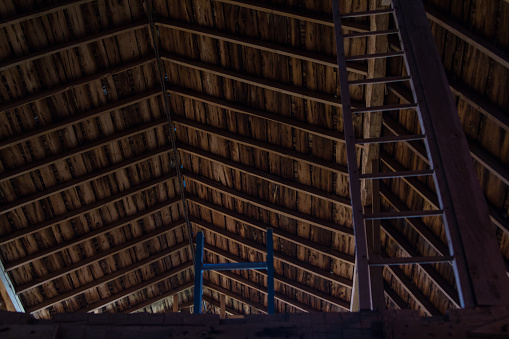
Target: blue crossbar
(199, 267)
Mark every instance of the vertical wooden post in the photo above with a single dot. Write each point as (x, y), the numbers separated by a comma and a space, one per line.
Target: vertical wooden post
(222, 304)
(175, 303)
(479, 269)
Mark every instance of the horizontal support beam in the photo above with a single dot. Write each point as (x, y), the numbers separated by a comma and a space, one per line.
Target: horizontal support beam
(167, 294)
(90, 235)
(136, 288)
(74, 43)
(274, 117)
(99, 256)
(287, 212)
(310, 190)
(280, 256)
(264, 146)
(329, 61)
(297, 14)
(62, 124)
(108, 277)
(300, 92)
(82, 149)
(235, 266)
(37, 13)
(67, 185)
(278, 232)
(75, 83)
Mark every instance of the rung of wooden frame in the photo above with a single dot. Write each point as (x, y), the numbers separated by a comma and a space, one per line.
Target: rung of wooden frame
(389, 139)
(371, 33)
(402, 215)
(383, 108)
(366, 13)
(383, 80)
(409, 260)
(374, 56)
(402, 174)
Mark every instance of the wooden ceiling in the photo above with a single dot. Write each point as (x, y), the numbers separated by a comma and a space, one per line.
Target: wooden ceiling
(92, 217)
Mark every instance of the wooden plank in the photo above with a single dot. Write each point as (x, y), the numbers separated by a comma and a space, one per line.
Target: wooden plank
(82, 149)
(283, 152)
(108, 277)
(90, 235)
(173, 292)
(73, 44)
(175, 301)
(213, 287)
(99, 256)
(300, 92)
(329, 61)
(278, 232)
(324, 195)
(222, 313)
(480, 271)
(325, 224)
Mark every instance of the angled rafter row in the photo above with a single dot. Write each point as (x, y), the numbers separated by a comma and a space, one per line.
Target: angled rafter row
(161, 296)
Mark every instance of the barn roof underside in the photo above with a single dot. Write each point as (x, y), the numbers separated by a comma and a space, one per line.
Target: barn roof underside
(92, 217)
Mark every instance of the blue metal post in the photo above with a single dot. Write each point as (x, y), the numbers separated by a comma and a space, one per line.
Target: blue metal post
(198, 273)
(270, 272)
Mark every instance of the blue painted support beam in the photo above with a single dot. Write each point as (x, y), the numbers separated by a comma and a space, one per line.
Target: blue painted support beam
(198, 273)
(270, 272)
(235, 266)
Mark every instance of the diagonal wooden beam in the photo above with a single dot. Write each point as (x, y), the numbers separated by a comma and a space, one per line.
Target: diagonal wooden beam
(87, 208)
(75, 83)
(82, 149)
(278, 232)
(290, 213)
(213, 287)
(99, 256)
(264, 146)
(37, 13)
(74, 43)
(217, 304)
(329, 61)
(62, 124)
(169, 293)
(327, 99)
(136, 288)
(108, 277)
(90, 235)
(317, 193)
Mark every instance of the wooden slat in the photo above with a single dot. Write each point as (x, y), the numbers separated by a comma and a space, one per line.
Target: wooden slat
(136, 288)
(213, 287)
(90, 235)
(327, 196)
(271, 47)
(300, 92)
(82, 149)
(75, 83)
(278, 232)
(72, 44)
(99, 256)
(108, 277)
(59, 125)
(292, 214)
(148, 302)
(264, 146)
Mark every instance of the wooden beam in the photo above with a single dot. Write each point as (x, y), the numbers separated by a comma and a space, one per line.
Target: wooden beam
(222, 311)
(90, 235)
(315, 192)
(136, 288)
(67, 185)
(291, 283)
(479, 42)
(213, 302)
(99, 256)
(329, 61)
(221, 290)
(281, 119)
(175, 301)
(264, 146)
(37, 13)
(301, 92)
(30, 167)
(278, 232)
(108, 277)
(396, 299)
(290, 213)
(297, 14)
(172, 292)
(72, 44)
(75, 83)
(280, 256)
(62, 124)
